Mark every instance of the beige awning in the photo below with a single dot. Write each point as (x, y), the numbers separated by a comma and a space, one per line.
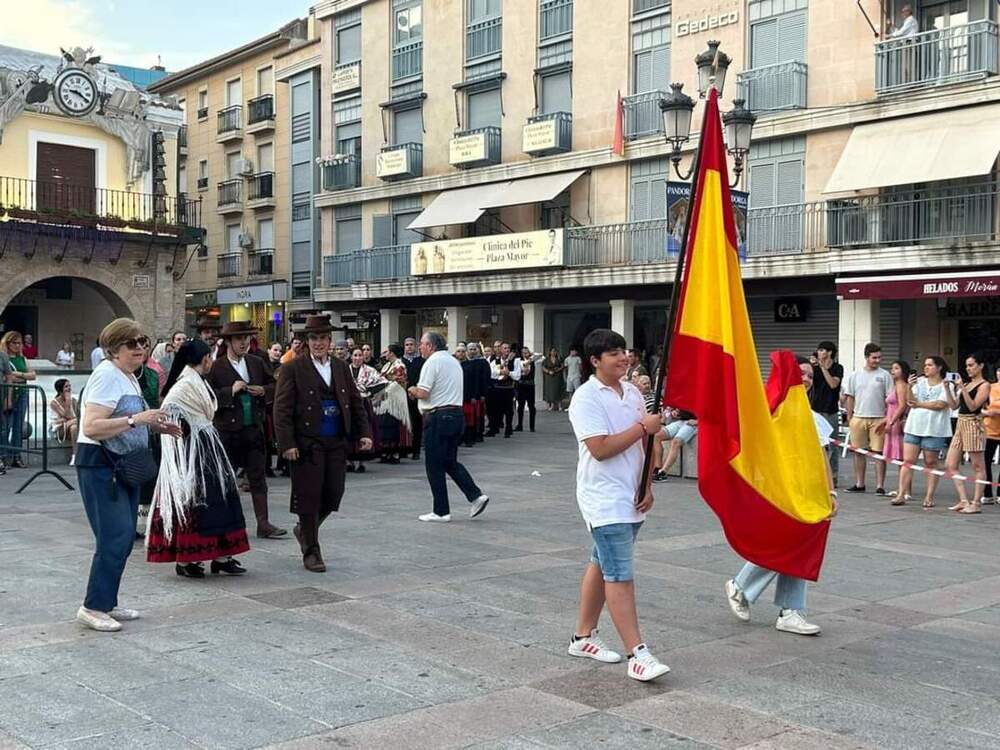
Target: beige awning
(925, 148)
(466, 205)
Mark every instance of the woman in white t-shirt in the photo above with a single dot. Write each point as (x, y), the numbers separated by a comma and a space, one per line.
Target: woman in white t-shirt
(114, 420)
(65, 356)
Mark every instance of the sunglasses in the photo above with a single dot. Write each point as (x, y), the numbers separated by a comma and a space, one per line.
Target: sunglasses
(138, 343)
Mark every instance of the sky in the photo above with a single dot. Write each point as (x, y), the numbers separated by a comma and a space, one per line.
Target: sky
(136, 32)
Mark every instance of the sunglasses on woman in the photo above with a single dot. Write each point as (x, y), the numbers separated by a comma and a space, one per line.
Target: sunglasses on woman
(138, 343)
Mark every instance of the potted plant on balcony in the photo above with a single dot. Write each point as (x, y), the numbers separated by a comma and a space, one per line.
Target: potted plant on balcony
(82, 219)
(112, 222)
(142, 225)
(16, 212)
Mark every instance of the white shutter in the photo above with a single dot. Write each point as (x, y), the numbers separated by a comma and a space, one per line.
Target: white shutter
(639, 208)
(232, 171)
(764, 43)
(661, 68)
(658, 198)
(556, 94)
(762, 184)
(265, 234)
(789, 187)
(791, 36)
(642, 80)
(484, 109)
(265, 158)
(408, 126)
(233, 238)
(234, 93)
(265, 81)
(348, 235)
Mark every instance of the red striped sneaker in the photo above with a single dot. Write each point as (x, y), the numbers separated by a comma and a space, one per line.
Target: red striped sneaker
(643, 666)
(593, 647)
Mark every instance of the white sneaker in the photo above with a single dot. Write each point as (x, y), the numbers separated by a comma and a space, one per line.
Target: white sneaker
(435, 518)
(122, 614)
(643, 666)
(737, 601)
(97, 620)
(72, 460)
(478, 505)
(792, 621)
(142, 520)
(592, 646)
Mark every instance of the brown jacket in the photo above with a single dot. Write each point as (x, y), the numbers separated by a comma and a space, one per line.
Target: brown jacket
(229, 415)
(298, 402)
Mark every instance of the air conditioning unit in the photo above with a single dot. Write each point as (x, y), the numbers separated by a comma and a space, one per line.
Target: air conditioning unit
(244, 166)
(246, 240)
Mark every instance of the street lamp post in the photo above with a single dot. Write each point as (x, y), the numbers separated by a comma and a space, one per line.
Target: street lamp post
(677, 108)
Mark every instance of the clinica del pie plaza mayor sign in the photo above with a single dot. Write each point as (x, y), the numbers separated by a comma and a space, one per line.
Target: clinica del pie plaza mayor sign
(492, 253)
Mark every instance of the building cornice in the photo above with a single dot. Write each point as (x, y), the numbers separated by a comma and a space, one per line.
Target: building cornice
(333, 7)
(283, 74)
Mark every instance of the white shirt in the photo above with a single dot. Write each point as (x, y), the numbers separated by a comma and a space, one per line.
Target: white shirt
(96, 357)
(514, 366)
(929, 422)
(910, 27)
(441, 377)
(324, 369)
(240, 365)
(65, 358)
(105, 387)
(605, 490)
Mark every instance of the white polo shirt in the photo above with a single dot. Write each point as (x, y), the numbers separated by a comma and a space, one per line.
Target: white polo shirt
(441, 376)
(605, 490)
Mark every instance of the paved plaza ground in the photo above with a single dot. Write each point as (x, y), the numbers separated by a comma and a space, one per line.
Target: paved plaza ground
(454, 636)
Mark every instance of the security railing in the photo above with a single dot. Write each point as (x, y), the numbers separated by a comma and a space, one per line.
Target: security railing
(643, 116)
(342, 172)
(374, 264)
(621, 244)
(563, 140)
(24, 430)
(230, 119)
(260, 186)
(491, 151)
(260, 109)
(957, 53)
(260, 262)
(231, 192)
(556, 18)
(414, 156)
(229, 265)
(483, 38)
(408, 60)
(774, 87)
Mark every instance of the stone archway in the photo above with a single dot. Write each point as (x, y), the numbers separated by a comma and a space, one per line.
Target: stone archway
(118, 294)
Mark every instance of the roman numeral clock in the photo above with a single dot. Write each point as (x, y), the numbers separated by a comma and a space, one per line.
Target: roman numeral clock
(75, 92)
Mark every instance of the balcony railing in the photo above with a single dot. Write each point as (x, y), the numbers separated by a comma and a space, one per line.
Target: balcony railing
(229, 265)
(261, 186)
(342, 173)
(641, 6)
(231, 192)
(261, 262)
(556, 18)
(375, 264)
(489, 153)
(561, 134)
(230, 119)
(202, 183)
(774, 87)
(408, 61)
(260, 109)
(202, 113)
(483, 38)
(957, 53)
(62, 203)
(642, 115)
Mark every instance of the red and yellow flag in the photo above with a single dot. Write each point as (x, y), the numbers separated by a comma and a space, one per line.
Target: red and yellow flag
(760, 464)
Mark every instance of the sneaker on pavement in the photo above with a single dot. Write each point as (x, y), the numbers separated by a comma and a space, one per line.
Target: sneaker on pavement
(593, 647)
(792, 621)
(478, 506)
(123, 614)
(435, 518)
(737, 601)
(660, 476)
(95, 620)
(643, 666)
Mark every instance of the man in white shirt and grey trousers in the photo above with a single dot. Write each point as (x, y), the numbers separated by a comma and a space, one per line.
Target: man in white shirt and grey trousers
(439, 397)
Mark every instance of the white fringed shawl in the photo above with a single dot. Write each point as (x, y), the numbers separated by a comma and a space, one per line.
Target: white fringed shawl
(180, 484)
(394, 403)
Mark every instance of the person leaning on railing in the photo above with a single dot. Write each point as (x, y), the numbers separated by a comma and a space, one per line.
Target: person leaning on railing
(13, 400)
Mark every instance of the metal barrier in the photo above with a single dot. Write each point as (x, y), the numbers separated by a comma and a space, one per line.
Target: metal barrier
(24, 428)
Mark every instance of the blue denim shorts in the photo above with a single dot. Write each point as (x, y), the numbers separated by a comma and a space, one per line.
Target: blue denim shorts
(927, 443)
(613, 550)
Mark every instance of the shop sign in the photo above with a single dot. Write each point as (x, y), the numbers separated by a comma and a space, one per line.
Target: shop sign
(539, 136)
(261, 293)
(678, 201)
(706, 23)
(973, 308)
(140, 281)
(391, 163)
(347, 78)
(493, 253)
(467, 148)
(196, 300)
(791, 310)
(983, 284)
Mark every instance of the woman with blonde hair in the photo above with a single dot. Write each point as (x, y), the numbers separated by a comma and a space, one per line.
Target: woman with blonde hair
(13, 400)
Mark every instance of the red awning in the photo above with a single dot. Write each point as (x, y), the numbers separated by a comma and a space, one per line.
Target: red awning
(921, 286)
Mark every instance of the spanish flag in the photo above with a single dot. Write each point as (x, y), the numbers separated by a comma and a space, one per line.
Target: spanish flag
(760, 464)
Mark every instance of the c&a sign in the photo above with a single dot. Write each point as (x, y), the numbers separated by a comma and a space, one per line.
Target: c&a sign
(791, 310)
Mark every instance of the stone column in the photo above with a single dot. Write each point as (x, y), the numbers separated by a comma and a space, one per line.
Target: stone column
(456, 326)
(859, 325)
(534, 338)
(623, 319)
(388, 327)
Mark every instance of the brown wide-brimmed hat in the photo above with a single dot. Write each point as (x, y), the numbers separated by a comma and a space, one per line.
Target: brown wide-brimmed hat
(238, 328)
(317, 324)
(208, 323)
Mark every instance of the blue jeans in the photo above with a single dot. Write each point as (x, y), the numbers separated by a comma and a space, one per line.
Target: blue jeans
(790, 592)
(12, 427)
(111, 510)
(614, 550)
(442, 434)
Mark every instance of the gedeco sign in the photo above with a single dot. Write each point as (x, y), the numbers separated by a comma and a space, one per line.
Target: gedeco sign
(707, 23)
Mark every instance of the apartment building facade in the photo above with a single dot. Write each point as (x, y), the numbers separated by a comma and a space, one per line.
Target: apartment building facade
(248, 149)
(468, 181)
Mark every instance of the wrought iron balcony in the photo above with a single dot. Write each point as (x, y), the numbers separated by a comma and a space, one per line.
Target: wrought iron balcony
(556, 18)
(260, 109)
(483, 38)
(230, 123)
(59, 203)
(342, 172)
(230, 265)
(202, 113)
(260, 189)
(548, 134)
(400, 162)
(202, 183)
(774, 87)
(643, 117)
(375, 264)
(475, 148)
(230, 195)
(260, 262)
(408, 61)
(957, 53)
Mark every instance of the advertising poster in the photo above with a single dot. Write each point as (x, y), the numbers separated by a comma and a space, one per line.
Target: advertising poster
(678, 205)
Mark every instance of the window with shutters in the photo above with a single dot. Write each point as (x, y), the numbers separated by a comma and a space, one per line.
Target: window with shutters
(407, 126)
(556, 93)
(483, 37)
(778, 39)
(265, 234)
(776, 172)
(233, 238)
(347, 27)
(651, 54)
(404, 236)
(407, 39)
(348, 233)
(182, 179)
(347, 121)
(484, 109)
(555, 213)
(555, 32)
(382, 230)
(265, 81)
(234, 92)
(648, 190)
(777, 75)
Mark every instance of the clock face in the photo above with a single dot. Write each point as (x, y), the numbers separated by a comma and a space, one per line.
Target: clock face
(75, 93)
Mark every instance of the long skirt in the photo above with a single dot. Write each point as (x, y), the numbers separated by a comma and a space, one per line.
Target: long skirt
(394, 434)
(354, 452)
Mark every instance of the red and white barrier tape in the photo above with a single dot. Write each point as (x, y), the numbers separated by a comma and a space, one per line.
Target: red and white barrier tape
(915, 467)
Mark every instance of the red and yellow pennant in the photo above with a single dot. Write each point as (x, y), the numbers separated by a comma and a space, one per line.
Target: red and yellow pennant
(760, 465)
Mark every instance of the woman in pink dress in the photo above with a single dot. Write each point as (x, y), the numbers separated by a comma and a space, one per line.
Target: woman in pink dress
(895, 412)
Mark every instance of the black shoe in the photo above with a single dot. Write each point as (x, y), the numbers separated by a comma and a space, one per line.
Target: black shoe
(361, 469)
(880, 491)
(190, 570)
(507, 434)
(230, 567)
(492, 433)
(855, 488)
(660, 476)
(519, 428)
(393, 460)
(350, 468)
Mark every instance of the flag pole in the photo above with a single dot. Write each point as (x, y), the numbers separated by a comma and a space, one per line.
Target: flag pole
(675, 296)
